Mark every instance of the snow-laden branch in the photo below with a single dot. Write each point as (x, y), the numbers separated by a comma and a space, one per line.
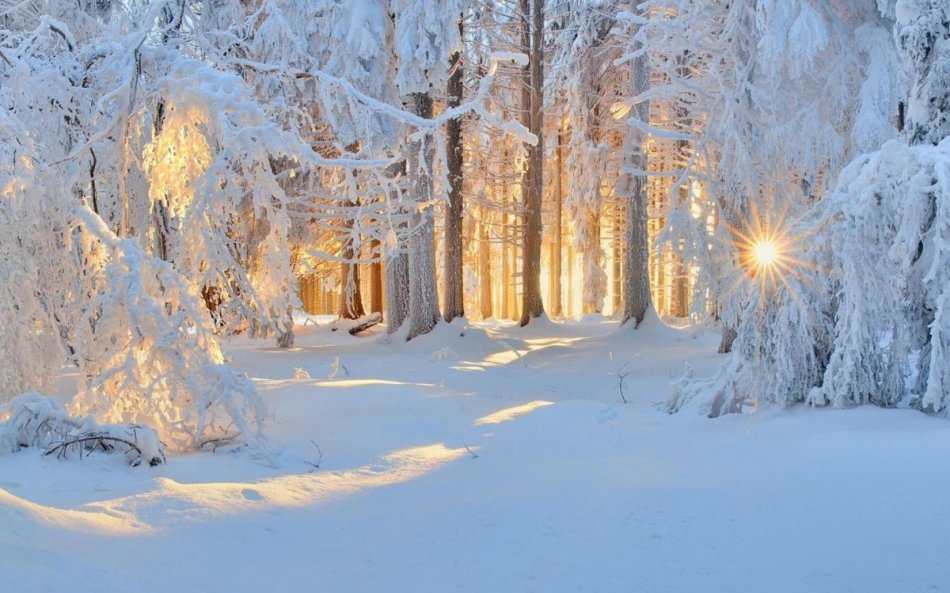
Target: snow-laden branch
(477, 104)
(150, 355)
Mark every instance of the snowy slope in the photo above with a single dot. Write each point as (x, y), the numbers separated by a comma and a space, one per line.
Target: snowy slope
(498, 460)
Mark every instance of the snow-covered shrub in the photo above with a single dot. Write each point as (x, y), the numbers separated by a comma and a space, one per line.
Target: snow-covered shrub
(33, 420)
(778, 356)
(149, 354)
(888, 257)
(923, 38)
(31, 347)
(210, 170)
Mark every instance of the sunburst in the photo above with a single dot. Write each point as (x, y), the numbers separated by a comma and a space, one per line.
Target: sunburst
(768, 251)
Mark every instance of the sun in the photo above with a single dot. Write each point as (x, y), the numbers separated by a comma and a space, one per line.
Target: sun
(765, 253)
(768, 248)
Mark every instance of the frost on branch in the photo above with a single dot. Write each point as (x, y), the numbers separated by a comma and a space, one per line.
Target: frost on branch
(211, 169)
(32, 420)
(149, 355)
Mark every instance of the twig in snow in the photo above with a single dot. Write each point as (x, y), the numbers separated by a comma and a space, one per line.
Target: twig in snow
(319, 458)
(622, 374)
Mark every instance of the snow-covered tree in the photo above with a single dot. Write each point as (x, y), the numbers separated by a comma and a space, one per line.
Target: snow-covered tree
(427, 35)
(862, 318)
(888, 241)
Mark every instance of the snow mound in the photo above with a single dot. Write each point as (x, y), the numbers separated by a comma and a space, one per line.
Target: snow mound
(444, 354)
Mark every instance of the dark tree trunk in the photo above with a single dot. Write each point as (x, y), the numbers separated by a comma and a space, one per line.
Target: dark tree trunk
(452, 277)
(351, 298)
(531, 305)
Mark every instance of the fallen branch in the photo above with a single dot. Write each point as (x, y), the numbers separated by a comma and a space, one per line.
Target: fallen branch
(367, 323)
(97, 441)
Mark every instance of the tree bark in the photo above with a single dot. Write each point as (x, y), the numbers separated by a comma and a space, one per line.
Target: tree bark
(506, 272)
(531, 305)
(636, 265)
(452, 277)
(616, 258)
(729, 335)
(376, 280)
(285, 329)
(351, 299)
(397, 264)
(423, 297)
(556, 232)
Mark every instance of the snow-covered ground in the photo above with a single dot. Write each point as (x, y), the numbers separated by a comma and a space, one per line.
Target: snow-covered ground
(496, 459)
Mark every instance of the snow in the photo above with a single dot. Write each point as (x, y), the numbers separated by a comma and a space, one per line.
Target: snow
(505, 461)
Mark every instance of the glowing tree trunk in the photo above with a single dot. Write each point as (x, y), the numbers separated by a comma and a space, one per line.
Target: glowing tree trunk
(531, 305)
(423, 296)
(506, 272)
(484, 266)
(376, 280)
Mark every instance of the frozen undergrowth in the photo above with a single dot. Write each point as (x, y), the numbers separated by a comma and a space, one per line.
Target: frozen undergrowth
(32, 420)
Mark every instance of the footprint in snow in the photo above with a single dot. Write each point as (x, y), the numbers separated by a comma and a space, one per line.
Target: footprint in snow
(251, 494)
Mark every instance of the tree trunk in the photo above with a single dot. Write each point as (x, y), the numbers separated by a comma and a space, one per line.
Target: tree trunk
(592, 259)
(285, 329)
(531, 305)
(556, 232)
(376, 280)
(423, 296)
(351, 300)
(505, 279)
(454, 305)
(680, 286)
(616, 259)
(729, 335)
(484, 266)
(636, 265)
(397, 264)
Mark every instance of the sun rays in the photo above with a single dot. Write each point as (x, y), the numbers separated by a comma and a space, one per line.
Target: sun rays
(769, 249)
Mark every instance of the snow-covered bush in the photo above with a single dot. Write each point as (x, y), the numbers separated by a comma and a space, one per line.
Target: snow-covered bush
(923, 38)
(33, 420)
(887, 254)
(779, 354)
(210, 169)
(150, 356)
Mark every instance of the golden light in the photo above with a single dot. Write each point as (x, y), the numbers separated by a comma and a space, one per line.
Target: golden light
(765, 253)
(619, 110)
(768, 252)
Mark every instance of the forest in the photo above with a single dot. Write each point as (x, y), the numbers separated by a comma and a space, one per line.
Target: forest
(748, 201)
